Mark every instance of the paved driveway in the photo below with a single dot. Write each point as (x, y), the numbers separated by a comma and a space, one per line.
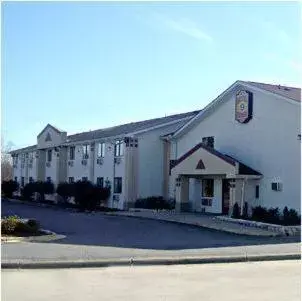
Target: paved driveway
(99, 235)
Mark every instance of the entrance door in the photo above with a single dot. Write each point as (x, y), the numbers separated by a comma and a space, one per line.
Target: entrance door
(225, 196)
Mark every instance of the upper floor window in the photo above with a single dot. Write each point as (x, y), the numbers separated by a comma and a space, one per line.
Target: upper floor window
(49, 155)
(101, 149)
(23, 158)
(86, 151)
(117, 185)
(71, 153)
(208, 141)
(118, 148)
(30, 155)
(15, 160)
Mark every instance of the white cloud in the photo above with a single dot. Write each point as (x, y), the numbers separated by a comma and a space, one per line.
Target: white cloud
(182, 25)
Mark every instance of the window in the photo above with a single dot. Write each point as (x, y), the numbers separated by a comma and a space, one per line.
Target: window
(30, 180)
(208, 188)
(118, 148)
(85, 151)
(71, 153)
(22, 181)
(16, 179)
(71, 179)
(15, 160)
(84, 179)
(23, 158)
(31, 156)
(49, 155)
(118, 185)
(257, 192)
(100, 182)
(101, 150)
(48, 179)
(208, 141)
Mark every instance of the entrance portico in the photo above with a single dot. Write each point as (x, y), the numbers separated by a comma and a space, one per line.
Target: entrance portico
(208, 181)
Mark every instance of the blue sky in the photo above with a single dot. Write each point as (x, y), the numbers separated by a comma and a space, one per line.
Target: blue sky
(82, 66)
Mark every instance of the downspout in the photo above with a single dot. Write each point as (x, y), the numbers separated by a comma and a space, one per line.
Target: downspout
(242, 196)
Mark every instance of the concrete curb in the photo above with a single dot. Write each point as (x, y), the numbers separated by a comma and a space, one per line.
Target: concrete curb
(233, 231)
(145, 261)
(42, 238)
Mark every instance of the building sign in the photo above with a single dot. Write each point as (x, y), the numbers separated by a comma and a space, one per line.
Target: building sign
(244, 106)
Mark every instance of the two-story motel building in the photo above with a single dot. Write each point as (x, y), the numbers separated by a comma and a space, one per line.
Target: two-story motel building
(244, 146)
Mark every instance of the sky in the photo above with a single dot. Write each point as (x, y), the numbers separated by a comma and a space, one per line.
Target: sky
(82, 66)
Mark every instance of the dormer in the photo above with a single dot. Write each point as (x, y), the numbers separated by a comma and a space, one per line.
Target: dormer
(50, 137)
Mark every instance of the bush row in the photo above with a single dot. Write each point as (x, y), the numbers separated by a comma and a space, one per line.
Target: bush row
(269, 215)
(154, 202)
(87, 195)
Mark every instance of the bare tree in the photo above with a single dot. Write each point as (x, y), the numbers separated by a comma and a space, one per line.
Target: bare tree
(6, 162)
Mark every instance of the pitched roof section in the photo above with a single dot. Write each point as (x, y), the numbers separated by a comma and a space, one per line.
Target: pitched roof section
(242, 168)
(51, 126)
(123, 129)
(289, 92)
(130, 127)
(27, 149)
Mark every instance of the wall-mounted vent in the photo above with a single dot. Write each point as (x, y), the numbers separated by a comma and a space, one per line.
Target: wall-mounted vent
(117, 160)
(100, 161)
(116, 197)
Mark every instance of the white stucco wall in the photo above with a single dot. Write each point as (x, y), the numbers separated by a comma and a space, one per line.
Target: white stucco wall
(268, 143)
(150, 165)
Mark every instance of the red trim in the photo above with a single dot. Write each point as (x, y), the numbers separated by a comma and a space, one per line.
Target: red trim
(208, 149)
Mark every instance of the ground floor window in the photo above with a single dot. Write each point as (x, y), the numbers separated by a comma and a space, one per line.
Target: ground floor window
(30, 180)
(118, 185)
(100, 182)
(48, 179)
(84, 179)
(207, 188)
(71, 179)
(22, 181)
(16, 179)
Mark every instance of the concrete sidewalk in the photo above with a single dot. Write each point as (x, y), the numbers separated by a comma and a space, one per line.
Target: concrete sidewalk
(289, 251)
(195, 219)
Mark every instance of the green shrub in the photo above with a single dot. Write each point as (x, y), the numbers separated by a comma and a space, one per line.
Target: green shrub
(259, 214)
(245, 210)
(66, 190)
(34, 225)
(9, 187)
(291, 217)
(9, 224)
(273, 216)
(236, 211)
(153, 202)
(27, 191)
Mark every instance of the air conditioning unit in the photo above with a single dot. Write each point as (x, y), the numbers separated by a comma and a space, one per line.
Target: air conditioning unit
(48, 164)
(276, 186)
(100, 161)
(84, 162)
(31, 161)
(70, 163)
(116, 197)
(117, 160)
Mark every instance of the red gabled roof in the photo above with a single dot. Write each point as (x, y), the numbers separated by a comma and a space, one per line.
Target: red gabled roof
(290, 92)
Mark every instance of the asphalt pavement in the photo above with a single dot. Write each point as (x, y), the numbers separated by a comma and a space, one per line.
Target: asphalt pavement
(98, 236)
